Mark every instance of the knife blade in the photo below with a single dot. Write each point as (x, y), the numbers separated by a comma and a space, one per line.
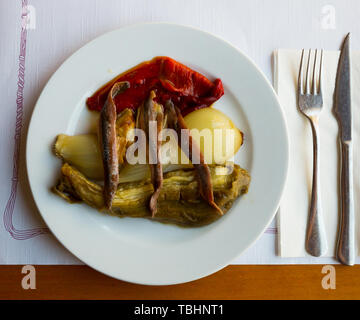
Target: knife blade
(342, 105)
(345, 251)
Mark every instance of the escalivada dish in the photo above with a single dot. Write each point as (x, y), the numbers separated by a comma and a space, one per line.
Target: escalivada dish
(161, 151)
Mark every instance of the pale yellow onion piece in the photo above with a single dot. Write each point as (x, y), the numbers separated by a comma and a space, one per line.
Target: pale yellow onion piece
(82, 151)
(134, 172)
(138, 172)
(208, 122)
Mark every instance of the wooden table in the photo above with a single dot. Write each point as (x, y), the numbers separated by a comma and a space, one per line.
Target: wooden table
(233, 282)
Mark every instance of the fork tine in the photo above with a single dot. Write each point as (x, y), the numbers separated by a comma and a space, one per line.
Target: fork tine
(320, 70)
(301, 74)
(314, 82)
(307, 79)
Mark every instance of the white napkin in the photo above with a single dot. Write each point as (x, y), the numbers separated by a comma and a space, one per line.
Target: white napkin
(294, 207)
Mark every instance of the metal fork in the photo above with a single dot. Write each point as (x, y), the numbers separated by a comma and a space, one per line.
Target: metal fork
(310, 103)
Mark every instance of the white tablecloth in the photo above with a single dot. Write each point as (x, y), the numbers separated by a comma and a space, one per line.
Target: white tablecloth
(55, 29)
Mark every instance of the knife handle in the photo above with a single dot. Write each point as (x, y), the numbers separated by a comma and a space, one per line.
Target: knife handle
(345, 251)
(316, 241)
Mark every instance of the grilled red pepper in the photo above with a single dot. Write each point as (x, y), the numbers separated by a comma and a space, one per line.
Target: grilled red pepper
(170, 79)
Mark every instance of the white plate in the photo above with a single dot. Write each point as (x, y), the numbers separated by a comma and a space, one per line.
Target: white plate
(139, 250)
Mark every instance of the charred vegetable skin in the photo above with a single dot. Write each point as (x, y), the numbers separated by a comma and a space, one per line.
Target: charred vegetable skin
(179, 200)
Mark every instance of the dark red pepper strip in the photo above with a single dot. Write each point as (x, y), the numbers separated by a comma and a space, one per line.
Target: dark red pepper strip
(170, 79)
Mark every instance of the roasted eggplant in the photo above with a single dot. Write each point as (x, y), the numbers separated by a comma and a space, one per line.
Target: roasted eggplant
(179, 200)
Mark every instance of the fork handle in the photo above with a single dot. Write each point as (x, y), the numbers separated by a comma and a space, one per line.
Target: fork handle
(345, 251)
(316, 242)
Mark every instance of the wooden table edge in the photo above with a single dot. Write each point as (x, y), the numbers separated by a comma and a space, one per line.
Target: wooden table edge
(233, 282)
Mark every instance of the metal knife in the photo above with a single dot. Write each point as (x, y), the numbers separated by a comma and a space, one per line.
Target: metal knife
(345, 251)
